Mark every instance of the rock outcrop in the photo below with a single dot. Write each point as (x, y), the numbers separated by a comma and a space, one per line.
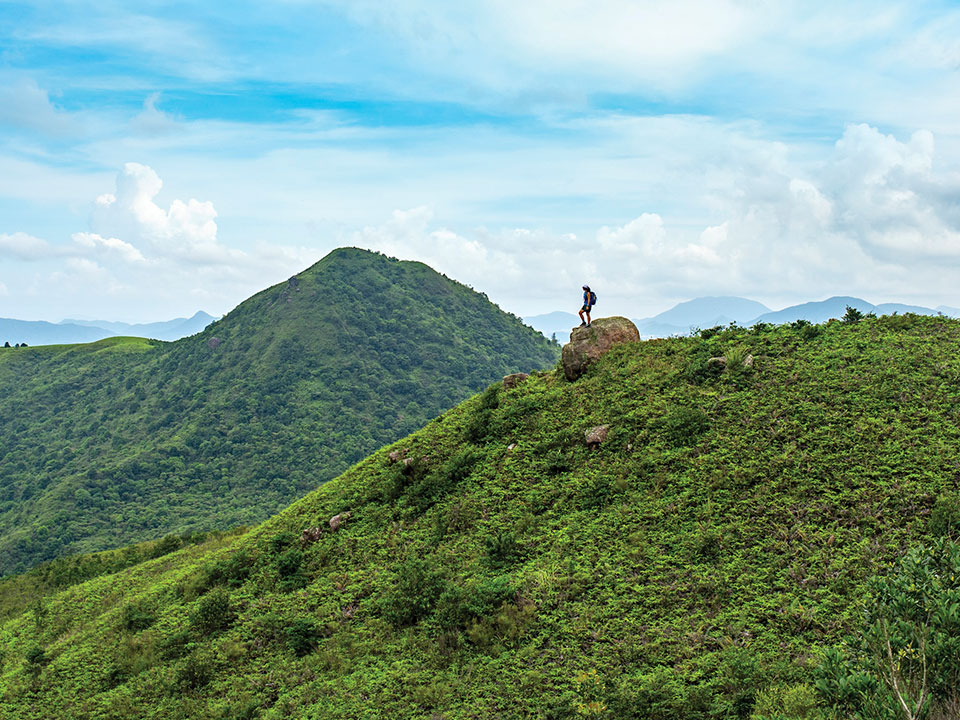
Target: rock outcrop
(595, 436)
(591, 343)
(511, 381)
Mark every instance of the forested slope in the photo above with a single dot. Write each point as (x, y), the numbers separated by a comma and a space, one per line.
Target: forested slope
(127, 439)
(693, 563)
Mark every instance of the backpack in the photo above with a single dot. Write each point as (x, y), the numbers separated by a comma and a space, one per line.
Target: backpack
(593, 298)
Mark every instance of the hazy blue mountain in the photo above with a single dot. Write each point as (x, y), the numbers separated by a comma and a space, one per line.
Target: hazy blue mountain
(900, 309)
(38, 332)
(947, 310)
(710, 311)
(836, 307)
(69, 332)
(816, 312)
(165, 330)
(558, 322)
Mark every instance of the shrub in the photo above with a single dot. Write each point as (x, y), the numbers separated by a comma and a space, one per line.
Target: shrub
(418, 587)
(213, 612)
(502, 549)
(905, 660)
(945, 516)
(681, 426)
(165, 546)
(852, 315)
(797, 702)
(176, 645)
(36, 657)
(289, 567)
(459, 604)
(302, 636)
(194, 673)
(478, 426)
(138, 616)
(232, 571)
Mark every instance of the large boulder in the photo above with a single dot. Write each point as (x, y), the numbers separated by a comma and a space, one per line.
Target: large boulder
(591, 343)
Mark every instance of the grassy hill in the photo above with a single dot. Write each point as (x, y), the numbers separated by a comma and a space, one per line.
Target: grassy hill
(126, 439)
(690, 565)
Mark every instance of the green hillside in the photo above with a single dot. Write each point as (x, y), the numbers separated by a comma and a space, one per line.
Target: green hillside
(690, 566)
(126, 439)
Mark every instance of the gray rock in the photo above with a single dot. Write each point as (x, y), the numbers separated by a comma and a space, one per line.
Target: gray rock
(310, 535)
(596, 435)
(511, 381)
(337, 520)
(588, 344)
(214, 343)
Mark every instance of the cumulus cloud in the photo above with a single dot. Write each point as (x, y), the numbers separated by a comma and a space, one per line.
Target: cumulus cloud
(21, 246)
(186, 231)
(151, 120)
(124, 250)
(874, 217)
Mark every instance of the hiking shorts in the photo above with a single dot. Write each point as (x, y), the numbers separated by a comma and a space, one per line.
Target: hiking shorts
(586, 308)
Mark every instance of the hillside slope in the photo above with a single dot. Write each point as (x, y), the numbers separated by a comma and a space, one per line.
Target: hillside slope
(723, 531)
(127, 439)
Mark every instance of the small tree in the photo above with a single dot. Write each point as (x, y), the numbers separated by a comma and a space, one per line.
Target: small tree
(905, 662)
(852, 315)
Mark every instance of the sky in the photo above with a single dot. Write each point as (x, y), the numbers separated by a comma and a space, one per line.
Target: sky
(159, 158)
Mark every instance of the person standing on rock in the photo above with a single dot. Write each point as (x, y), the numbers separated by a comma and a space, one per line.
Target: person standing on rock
(589, 300)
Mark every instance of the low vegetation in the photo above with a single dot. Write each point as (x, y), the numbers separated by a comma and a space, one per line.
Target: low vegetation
(743, 544)
(126, 439)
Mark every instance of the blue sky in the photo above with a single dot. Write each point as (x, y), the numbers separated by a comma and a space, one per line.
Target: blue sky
(182, 156)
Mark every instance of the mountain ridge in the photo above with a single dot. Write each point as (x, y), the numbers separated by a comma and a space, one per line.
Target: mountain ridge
(494, 564)
(129, 439)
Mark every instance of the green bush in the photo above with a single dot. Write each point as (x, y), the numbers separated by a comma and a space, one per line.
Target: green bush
(194, 672)
(138, 616)
(417, 589)
(459, 604)
(231, 571)
(852, 315)
(290, 568)
(683, 425)
(302, 636)
(502, 549)
(945, 516)
(905, 660)
(36, 657)
(166, 546)
(795, 702)
(213, 612)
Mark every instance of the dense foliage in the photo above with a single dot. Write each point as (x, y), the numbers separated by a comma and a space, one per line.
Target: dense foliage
(127, 439)
(695, 565)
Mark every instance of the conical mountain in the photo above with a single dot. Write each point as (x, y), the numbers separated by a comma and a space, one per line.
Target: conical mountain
(125, 440)
(692, 565)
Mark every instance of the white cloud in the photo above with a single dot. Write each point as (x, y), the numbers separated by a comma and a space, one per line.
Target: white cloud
(151, 120)
(22, 246)
(125, 250)
(26, 106)
(4, 292)
(187, 231)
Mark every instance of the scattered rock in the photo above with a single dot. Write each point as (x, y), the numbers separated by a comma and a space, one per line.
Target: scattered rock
(748, 361)
(294, 282)
(629, 447)
(310, 535)
(394, 456)
(596, 435)
(349, 610)
(721, 361)
(511, 447)
(407, 466)
(337, 520)
(591, 343)
(511, 381)
(214, 342)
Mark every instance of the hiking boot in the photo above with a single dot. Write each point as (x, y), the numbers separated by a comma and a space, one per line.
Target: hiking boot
(588, 324)
(583, 324)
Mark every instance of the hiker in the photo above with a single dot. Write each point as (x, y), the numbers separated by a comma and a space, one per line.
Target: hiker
(589, 300)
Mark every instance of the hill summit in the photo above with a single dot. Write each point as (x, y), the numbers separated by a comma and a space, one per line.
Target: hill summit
(666, 537)
(128, 439)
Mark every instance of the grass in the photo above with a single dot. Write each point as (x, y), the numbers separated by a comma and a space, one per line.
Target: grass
(692, 566)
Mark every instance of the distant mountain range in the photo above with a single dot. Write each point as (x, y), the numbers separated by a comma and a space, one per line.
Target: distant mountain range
(706, 312)
(38, 332)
